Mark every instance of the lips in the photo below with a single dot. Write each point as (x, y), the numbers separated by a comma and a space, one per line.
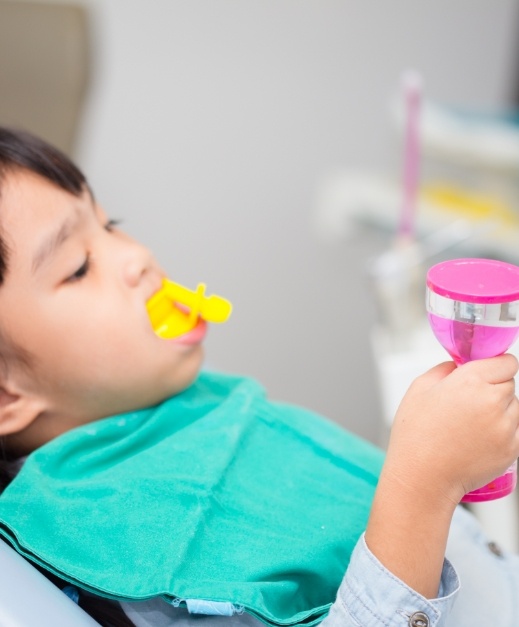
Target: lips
(194, 336)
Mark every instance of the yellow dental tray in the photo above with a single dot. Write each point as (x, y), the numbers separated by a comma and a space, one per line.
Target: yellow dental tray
(174, 310)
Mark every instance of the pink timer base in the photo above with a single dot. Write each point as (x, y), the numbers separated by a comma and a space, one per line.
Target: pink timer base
(502, 486)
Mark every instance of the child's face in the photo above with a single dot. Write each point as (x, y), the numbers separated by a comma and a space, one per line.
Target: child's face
(74, 298)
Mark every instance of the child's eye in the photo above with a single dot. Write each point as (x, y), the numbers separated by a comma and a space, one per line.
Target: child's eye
(111, 224)
(81, 272)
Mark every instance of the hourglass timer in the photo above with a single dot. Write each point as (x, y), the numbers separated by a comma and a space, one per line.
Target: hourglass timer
(473, 310)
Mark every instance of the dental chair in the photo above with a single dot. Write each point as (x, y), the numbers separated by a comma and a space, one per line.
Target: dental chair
(28, 599)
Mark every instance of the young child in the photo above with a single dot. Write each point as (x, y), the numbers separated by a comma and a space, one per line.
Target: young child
(174, 494)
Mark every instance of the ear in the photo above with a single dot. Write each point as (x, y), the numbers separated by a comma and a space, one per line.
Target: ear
(17, 411)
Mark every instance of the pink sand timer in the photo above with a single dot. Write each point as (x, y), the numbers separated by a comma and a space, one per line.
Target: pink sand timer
(473, 310)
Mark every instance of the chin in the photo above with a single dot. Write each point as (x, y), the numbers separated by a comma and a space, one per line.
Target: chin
(186, 377)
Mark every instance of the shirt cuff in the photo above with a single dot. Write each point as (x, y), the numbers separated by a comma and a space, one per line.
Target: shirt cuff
(370, 596)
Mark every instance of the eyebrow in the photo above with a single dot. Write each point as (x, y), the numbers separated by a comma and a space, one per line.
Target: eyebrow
(53, 241)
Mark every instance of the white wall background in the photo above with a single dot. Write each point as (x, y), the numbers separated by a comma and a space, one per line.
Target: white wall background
(210, 126)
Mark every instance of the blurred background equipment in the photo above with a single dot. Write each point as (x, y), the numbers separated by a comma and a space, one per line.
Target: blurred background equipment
(44, 68)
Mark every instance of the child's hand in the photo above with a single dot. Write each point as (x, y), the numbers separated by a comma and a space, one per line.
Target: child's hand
(456, 428)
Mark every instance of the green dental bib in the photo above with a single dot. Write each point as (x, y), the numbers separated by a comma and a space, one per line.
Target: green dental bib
(214, 495)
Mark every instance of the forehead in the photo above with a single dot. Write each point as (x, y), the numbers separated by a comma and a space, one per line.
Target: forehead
(32, 204)
(25, 194)
(32, 211)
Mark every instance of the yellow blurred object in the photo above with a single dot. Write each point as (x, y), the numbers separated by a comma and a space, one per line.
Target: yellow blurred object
(174, 310)
(469, 205)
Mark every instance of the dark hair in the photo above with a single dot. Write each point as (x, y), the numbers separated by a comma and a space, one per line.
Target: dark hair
(20, 150)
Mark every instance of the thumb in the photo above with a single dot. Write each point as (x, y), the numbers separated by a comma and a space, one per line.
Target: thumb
(435, 374)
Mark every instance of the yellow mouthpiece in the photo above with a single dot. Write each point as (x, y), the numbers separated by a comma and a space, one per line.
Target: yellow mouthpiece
(174, 310)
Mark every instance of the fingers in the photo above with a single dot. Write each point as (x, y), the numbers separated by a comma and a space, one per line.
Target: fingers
(512, 412)
(496, 369)
(513, 408)
(508, 389)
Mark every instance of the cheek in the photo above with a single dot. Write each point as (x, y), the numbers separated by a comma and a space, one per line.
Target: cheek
(92, 326)
(67, 346)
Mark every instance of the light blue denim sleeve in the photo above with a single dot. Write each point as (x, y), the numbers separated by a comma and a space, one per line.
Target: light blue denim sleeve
(371, 596)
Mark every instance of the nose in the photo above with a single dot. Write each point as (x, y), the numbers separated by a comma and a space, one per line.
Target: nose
(137, 262)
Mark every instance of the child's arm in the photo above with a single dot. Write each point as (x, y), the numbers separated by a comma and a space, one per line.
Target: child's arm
(455, 430)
